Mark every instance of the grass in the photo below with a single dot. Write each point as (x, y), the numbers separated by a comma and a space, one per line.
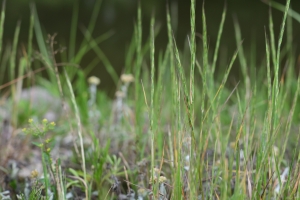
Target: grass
(175, 129)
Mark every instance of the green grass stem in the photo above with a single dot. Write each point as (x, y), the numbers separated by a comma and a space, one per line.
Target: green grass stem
(2, 19)
(73, 30)
(79, 131)
(152, 109)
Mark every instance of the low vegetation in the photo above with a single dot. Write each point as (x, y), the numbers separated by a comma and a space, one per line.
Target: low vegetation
(174, 130)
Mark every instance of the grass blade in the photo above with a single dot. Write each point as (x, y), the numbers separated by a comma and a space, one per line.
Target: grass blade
(73, 30)
(14, 51)
(1, 24)
(282, 8)
(30, 37)
(216, 53)
(152, 131)
(101, 56)
(79, 129)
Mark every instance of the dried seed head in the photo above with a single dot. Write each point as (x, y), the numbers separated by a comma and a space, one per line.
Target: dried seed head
(127, 78)
(120, 94)
(142, 192)
(156, 171)
(93, 80)
(162, 179)
(34, 174)
(156, 175)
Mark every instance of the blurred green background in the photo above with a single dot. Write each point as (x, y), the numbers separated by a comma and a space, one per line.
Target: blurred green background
(119, 16)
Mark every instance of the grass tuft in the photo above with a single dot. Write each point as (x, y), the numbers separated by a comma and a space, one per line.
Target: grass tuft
(169, 132)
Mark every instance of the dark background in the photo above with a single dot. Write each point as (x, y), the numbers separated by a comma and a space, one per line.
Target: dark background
(120, 16)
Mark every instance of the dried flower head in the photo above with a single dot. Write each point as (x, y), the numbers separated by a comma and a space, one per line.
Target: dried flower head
(156, 175)
(127, 78)
(93, 80)
(34, 174)
(153, 180)
(120, 94)
(142, 192)
(162, 179)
